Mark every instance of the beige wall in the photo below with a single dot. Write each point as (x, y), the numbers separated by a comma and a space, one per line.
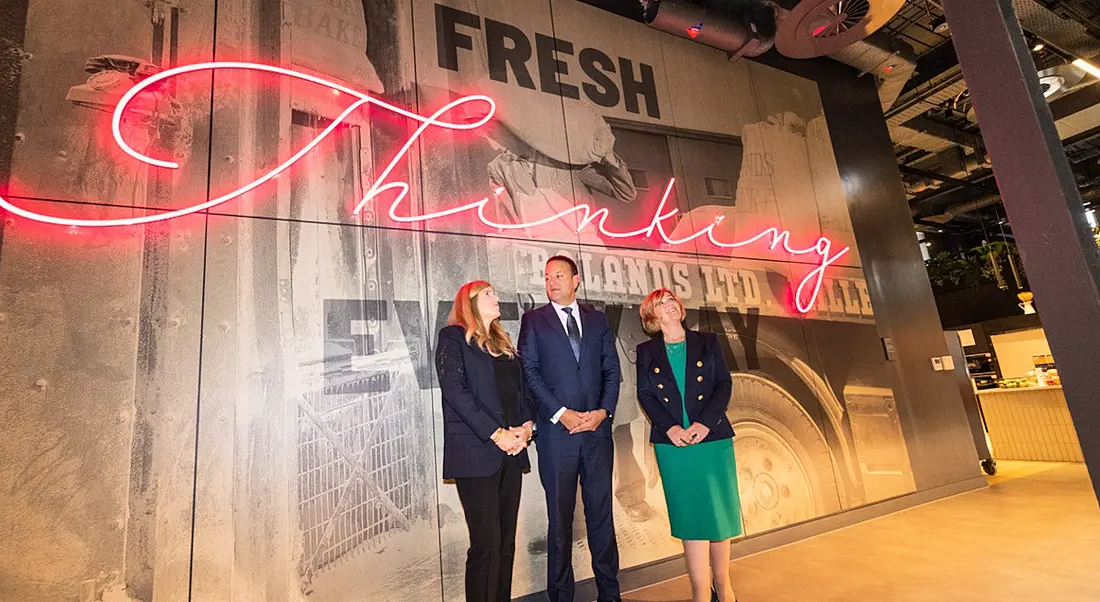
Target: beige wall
(1015, 351)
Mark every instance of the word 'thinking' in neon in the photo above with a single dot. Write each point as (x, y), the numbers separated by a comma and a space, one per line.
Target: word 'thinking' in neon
(776, 239)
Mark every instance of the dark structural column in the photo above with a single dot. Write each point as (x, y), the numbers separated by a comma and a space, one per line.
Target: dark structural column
(1048, 220)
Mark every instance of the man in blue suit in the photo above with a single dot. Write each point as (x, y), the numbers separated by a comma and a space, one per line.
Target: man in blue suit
(572, 373)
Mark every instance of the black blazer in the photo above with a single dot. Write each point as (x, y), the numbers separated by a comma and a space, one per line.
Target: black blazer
(553, 376)
(707, 389)
(472, 411)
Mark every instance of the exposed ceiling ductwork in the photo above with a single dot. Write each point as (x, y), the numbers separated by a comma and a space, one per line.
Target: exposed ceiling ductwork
(1068, 35)
(1060, 80)
(814, 28)
(748, 30)
(917, 104)
(891, 61)
(811, 28)
(846, 31)
(950, 164)
(956, 211)
(752, 33)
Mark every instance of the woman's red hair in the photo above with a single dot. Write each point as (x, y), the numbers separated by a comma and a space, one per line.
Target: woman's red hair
(651, 324)
(493, 340)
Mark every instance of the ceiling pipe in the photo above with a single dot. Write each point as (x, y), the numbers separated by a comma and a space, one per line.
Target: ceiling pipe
(954, 212)
(917, 204)
(938, 177)
(961, 167)
(751, 33)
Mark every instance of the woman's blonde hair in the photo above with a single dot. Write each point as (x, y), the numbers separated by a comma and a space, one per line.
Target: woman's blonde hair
(493, 340)
(650, 322)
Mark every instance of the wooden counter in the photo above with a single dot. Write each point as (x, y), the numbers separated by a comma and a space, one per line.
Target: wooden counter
(1031, 423)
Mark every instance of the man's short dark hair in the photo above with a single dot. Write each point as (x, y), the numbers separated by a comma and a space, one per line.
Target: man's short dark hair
(562, 258)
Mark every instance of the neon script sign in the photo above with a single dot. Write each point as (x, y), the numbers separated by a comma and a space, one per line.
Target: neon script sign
(776, 240)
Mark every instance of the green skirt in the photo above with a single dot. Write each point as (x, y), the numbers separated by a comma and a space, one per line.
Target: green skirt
(700, 483)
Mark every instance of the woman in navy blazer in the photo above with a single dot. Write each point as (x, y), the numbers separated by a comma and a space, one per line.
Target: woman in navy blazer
(487, 425)
(684, 386)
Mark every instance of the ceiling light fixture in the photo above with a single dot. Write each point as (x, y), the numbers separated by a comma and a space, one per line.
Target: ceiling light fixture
(939, 25)
(1038, 46)
(1087, 67)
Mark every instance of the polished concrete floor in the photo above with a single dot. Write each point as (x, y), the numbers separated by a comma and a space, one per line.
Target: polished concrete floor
(1033, 535)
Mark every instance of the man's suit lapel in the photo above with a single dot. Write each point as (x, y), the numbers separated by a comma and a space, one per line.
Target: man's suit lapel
(589, 324)
(554, 324)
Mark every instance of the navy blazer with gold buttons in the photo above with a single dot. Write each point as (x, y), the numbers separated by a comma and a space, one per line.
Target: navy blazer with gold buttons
(707, 389)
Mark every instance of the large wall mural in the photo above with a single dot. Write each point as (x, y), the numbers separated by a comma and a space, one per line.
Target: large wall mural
(238, 403)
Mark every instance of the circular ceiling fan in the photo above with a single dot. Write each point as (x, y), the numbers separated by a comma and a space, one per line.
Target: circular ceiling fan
(818, 27)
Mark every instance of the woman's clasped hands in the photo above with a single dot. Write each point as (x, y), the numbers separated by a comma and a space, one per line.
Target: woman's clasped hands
(683, 437)
(514, 440)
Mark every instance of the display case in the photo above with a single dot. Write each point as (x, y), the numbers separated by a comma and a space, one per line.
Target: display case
(982, 368)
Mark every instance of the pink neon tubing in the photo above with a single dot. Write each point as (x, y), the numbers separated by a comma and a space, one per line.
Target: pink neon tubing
(776, 238)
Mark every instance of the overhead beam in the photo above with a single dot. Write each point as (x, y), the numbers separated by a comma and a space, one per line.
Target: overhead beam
(942, 192)
(946, 132)
(931, 175)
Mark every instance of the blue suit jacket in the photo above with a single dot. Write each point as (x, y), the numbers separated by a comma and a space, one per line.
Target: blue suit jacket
(556, 380)
(472, 411)
(707, 389)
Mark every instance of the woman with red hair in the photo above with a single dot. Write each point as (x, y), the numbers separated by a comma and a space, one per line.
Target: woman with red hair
(684, 387)
(487, 425)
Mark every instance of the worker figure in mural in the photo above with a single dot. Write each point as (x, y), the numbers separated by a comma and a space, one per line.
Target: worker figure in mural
(541, 179)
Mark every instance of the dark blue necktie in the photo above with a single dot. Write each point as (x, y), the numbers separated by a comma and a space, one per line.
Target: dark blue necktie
(574, 333)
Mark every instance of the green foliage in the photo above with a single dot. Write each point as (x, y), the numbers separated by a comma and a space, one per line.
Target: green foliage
(974, 267)
(952, 268)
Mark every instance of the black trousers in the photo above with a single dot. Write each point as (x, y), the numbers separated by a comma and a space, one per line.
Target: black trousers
(491, 506)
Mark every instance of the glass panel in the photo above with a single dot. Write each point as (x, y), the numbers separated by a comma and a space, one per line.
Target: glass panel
(99, 348)
(101, 327)
(80, 61)
(314, 399)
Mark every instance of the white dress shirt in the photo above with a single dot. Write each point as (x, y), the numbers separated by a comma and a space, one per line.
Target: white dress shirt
(564, 318)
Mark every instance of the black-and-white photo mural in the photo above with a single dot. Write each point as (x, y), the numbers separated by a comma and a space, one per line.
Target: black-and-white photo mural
(218, 308)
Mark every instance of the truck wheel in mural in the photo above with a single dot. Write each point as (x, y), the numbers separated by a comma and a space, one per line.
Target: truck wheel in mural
(784, 468)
